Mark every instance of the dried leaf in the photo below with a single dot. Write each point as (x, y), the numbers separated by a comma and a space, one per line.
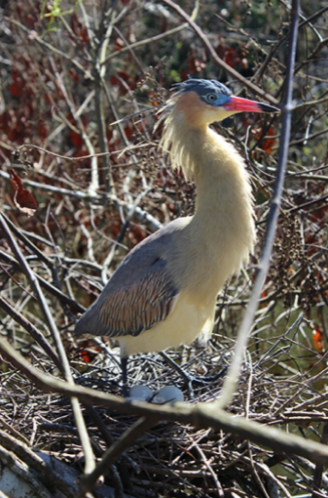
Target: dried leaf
(268, 142)
(23, 199)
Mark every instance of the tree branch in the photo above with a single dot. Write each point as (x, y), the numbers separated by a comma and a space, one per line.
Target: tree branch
(231, 380)
(202, 415)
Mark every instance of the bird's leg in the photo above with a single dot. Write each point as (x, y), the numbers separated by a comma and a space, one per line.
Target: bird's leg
(124, 366)
(190, 378)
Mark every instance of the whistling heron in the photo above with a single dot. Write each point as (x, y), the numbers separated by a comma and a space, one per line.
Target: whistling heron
(164, 292)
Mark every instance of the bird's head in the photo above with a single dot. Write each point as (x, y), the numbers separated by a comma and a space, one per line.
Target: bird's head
(202, 102)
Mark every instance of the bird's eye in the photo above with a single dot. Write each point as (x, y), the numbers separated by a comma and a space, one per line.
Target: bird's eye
(211, 97)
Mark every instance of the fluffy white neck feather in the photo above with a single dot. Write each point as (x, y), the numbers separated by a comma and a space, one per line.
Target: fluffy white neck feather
(222, 230)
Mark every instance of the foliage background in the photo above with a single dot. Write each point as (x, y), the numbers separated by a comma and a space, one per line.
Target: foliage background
(68, 71)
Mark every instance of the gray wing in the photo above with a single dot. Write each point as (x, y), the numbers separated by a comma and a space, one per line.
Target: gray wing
(141, 292)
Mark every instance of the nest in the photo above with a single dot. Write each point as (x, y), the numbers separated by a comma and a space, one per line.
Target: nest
(91, 212)
(174, 459)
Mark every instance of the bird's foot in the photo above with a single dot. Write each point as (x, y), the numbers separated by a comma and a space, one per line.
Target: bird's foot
(191, 378)
(125, 391)
(167, 394)
(200, 380)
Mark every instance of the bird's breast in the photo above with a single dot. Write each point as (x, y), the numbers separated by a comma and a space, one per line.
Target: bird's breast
(188, 319)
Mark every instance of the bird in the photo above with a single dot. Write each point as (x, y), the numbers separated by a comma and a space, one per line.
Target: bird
(164, 292)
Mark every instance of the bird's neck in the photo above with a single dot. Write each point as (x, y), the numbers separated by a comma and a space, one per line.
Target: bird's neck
(223, 223)
(222, 182)
(224, 207)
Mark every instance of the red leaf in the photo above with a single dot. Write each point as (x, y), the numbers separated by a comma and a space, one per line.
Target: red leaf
(79, 29)
(15, 181)
(317, 339)
(90, 351)
(42, 128)
(23, 199)
(268, 143)
(129, 130)
(73, 74)
(86, 356)
(318, 215)
(17, 84)
(230, 57)
(16, 88)
(76, 139)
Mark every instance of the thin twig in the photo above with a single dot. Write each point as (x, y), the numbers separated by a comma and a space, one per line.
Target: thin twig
(202, 415)
(114, 452)
(154, 38)
(36, 334)
(317, 478)
(231, 380)
(47, 286)
(85, 441)
(216, 59)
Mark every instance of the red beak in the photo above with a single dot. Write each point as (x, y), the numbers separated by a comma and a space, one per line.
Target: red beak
(238, 104)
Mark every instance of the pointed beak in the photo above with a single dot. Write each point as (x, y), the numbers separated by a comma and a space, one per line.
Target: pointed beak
(237, 104)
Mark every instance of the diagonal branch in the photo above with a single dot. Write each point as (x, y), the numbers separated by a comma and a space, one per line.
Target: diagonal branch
(216, 59)
(113, 453)
(36, 334)
(65, 367)
(230, 383)
(202, 415)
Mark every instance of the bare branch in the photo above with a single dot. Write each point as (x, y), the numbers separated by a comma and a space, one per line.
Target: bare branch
(230, 383)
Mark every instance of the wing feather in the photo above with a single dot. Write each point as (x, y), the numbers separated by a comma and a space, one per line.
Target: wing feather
(133, 308)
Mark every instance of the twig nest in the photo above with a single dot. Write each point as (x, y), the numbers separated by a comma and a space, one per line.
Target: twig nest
(168, 394)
